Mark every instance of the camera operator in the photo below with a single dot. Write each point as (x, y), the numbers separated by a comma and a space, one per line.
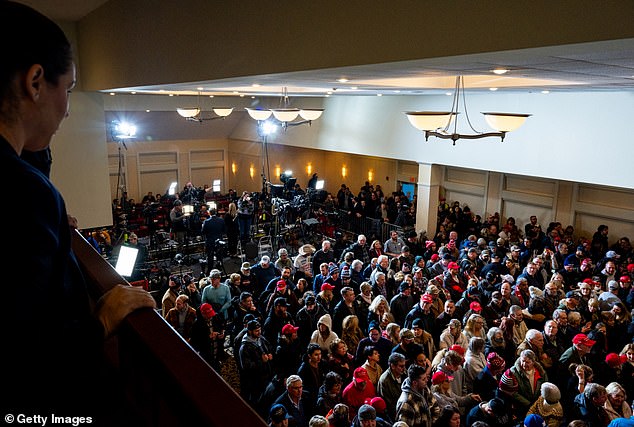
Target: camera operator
(214, 228)
(246, 208)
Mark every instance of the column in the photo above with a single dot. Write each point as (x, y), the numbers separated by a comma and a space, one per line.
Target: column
(429, 179)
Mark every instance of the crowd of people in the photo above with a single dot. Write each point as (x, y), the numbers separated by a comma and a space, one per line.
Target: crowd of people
(482, 324)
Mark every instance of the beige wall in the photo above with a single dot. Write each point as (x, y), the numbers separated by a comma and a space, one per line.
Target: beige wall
(584, 206)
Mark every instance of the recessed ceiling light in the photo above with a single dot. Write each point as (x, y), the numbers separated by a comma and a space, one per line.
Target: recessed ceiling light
(329, 92)
(379, 94)
(236, 92)
(253, 97)
(342, 80)
(500, 71)
(147, 111)
(493, 89)
(133, 93)
(255, 85)
(112, 93)
(448, 93)
(545, 91)
(211, 96)
(171, 94)
(200, 88)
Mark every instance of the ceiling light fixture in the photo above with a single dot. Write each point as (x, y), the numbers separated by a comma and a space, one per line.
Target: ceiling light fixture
(285, 114)
(500, 71)
(194, 114)
(437, 123)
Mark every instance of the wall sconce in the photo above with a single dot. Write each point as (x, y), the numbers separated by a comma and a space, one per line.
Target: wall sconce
(344, 171)
(278, 171)
(309, 168)
(251, 171)
(234, 167)
(370, 175)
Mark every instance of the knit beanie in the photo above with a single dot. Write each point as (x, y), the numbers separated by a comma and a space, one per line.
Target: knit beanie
(550, 392)
(508, 383)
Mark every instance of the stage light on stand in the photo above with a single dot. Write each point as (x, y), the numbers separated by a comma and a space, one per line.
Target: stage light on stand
(267, 127)
(123, 130)
(320, 184)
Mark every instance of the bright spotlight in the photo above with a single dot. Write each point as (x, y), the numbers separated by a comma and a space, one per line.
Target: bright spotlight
(124, 130)
(319, 185)
(288, 173)
(268, 127)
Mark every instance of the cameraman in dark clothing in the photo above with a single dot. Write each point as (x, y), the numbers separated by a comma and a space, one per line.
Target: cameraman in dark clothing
(213, 229)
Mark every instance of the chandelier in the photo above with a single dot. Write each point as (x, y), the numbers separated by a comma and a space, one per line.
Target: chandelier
(195, 114)
(444, 124)
(286, 115)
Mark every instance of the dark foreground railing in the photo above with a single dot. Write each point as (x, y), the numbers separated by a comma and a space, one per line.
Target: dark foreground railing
(166, 382)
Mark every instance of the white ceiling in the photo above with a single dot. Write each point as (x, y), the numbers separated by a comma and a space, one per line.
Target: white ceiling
(597, 66)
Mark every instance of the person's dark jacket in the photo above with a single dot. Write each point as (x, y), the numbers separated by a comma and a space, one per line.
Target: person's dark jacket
(258, 372)
(340, 312)
(307, 320)
(400, 305)
(213, 229)
(326, 401)
(485, 384)
(584, 409)
(287, 356)
(312, 379)
(300, 414)
(210, 350)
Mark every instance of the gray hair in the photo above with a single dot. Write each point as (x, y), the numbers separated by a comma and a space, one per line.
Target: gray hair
(292, 379)
(515, 309)
(492, 331)
(532, 333)
(318, 421)
(594, 390)
(529, 354)
(614, 388)
(395, 358)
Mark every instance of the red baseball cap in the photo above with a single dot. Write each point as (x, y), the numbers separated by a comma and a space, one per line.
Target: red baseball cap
(207, 309)
(475, 306)
(440, 377)
(458, 349)
(327, 287)
(427, 298)
(453, 266)
(625, 279)
(289, 329)
(281, 284)
(583, 339)
(360, 374)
